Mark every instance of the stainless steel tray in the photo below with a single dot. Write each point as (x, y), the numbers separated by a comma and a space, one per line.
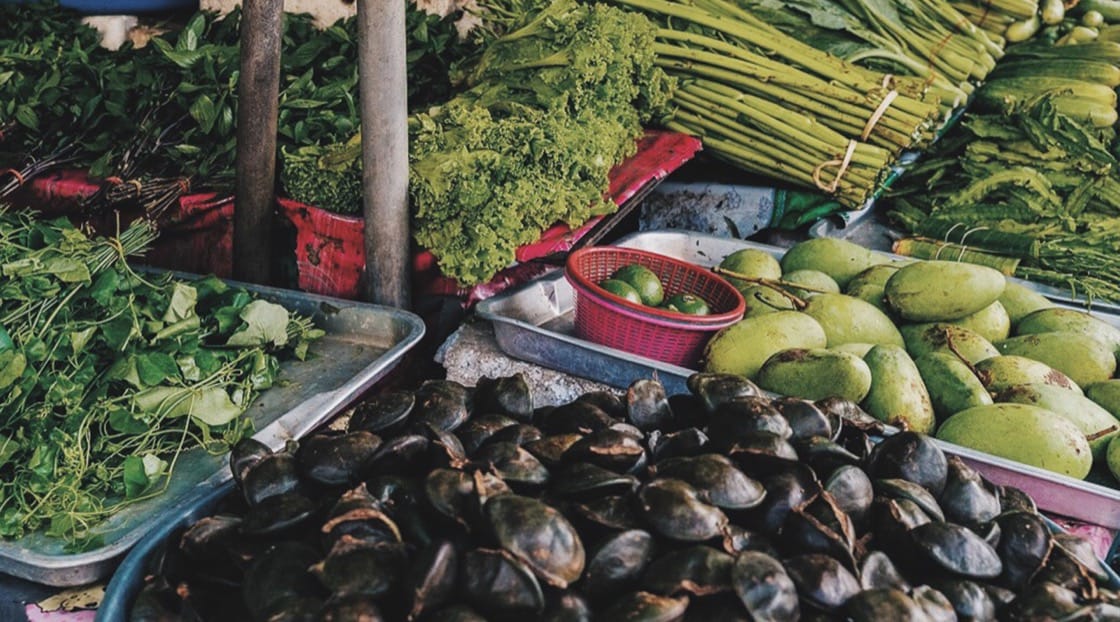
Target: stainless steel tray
(866, 228)
(535, 323)
(363, 343)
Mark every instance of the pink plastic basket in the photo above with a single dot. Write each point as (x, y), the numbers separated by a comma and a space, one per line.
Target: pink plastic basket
(659, 334)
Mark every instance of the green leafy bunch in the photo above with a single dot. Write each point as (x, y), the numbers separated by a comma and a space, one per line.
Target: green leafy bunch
(107, 375)
(552, 107)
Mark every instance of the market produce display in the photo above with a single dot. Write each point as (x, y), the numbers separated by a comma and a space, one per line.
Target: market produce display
(637, 283)
(939, 347)
(107, 374)
(451, 503)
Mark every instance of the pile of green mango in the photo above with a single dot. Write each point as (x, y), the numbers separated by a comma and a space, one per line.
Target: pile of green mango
(939, 347)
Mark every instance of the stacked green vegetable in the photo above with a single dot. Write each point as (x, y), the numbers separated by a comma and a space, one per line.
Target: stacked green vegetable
(1034, 184)
(106, 375)
(774, 105)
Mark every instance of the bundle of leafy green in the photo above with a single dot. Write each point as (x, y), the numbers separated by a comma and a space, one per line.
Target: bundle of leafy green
(551, 107)
(107, 375)
(1033, 184)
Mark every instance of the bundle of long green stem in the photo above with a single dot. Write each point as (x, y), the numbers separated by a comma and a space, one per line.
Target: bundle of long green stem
(995, 16)
(773, 105)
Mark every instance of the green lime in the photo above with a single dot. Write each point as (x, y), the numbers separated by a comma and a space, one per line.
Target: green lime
(622, 289)
(689, 304)
(644, 280)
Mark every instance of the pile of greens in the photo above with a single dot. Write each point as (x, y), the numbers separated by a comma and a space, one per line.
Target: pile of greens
(548, 108)
(107, 375)
(1033, 184)
(169, 109)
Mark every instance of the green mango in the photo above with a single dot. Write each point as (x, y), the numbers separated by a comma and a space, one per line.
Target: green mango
(840, 259)
(1001, 372)
(817, 281)
(897, 396)
(762, 299)
(846, 319)
(815, 374)
(991, 322)
(923, 338)
(941, 291)
(1058, 319)
(1105, 394)
(868, 285)
(1084, 359)
(753, 263)
(1020, 301)
(744, 346)
(1112, 458)
(951, 384)
(1097, 424)
(858, 349)
(1022, 433)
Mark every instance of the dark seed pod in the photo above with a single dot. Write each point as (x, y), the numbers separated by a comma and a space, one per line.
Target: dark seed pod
(610, 449)
(514, 465)
(877, 572)
(358, 515)
(675, 510)
(761, 452)
(696, 570)
(967, 499)
(617, 563)
(566, 607)
(853, 492)
(737, 540)
(212, 540)
(384, 412)
(902, 489)
(244, 455)
(818, 526)
(1081, 550)
(349, 608)
(785, 490)
(1012, 499)
(497, 582)
(432, 577)
(647, 405)
(550, 449)
(686, 442)
(850, 414)
(824, 455)
(403, 455)
(715, 389)
(611, 513)
(957, 549)
(1045, 601)
(883, 604)
(336, 459)
(688, 410)
(538, 535)
(477, 430)
(356, 567)
(970, 601)
(271, 475)
(934, 605)
(278, 575)
(509, 395)
(457, 613)
(822, 581)
(891, 522)
(442, 404)
(805, 418)
(577, 417)
(910, 456)
(724, 607)
(764, 588)
(737, 419)
(716, 479)
(519, 434)
(646, 607)
(278, 513)
(1024, 547)
(583, 480)
(609, 402)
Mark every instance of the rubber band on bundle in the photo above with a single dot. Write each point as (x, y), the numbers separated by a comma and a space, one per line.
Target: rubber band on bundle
(20, 179)
(879, 112)
(843, 164)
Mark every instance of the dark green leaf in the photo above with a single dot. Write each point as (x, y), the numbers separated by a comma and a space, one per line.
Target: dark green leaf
(155, 367)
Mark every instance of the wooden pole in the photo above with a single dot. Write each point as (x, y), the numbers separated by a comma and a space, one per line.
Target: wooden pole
(258, 93)
(382, 92)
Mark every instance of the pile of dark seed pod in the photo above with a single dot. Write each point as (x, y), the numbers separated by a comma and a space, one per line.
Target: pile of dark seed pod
(450, 504)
